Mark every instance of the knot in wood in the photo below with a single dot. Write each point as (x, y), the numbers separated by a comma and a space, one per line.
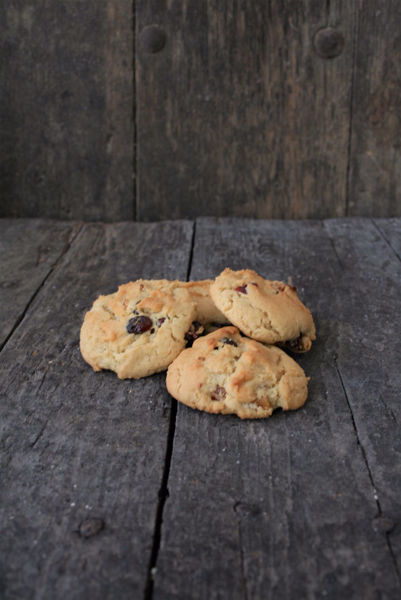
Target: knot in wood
(383, 524)
(328, 42)
(91, 527)
(152, 39)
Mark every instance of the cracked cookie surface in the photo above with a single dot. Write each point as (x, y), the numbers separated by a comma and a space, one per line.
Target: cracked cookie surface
(268, 311)
(227, 373)
(139, 329)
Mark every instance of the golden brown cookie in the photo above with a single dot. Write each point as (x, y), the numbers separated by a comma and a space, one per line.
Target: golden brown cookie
(267, 311)
(226, 373)
(206, 310)
(139, 329)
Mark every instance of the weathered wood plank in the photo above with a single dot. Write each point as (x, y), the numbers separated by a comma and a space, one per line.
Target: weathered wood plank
(286, 507)
(29, 250)
(369, 358)
(375, 162)
(80, 445)
(391, 231)
(67, 109)
(238, 114)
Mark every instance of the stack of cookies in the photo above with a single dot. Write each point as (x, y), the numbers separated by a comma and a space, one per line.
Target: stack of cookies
(193, 329)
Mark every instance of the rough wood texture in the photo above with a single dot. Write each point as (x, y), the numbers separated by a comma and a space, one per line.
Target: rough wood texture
(78, 445)
(238, 114)
(302, 505)
(391, 231)
(28, 252)
(260, 108)
(370, 329)
(67, 109)
(375, 183)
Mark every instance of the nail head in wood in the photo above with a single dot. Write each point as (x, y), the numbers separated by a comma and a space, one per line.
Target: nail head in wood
(152, 39)
(328, 42)
(91, 527)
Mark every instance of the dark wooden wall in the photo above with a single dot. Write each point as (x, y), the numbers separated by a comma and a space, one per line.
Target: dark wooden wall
(117, 110)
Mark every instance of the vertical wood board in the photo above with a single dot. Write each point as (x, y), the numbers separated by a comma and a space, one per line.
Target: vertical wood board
(375, 162)
(286, 507)
(238, 114)
(78, 445)
(66, 109)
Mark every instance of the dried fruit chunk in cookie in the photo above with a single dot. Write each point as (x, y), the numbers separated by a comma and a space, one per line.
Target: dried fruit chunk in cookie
(226, 373)
(138, 330)
(268, 311)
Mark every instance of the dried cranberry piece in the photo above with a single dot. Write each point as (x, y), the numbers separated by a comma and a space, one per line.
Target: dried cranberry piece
(160, 321)
(241, 289)
(226, 340)
(194, 332)
(219, 393)
(139, 324)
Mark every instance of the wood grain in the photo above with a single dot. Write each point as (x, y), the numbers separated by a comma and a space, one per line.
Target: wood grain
(67, 109)
(375, 161)
(302, 505)
(29, 251)
(79, 445)
(370, 329)
(238, 114)
(390, 229)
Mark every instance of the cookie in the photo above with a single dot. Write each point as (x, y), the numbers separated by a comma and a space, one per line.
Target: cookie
(207, 315)
(267, 311)
(226, 373)
(139, 329)
(206, 310)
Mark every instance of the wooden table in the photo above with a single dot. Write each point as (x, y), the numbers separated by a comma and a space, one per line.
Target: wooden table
(111, 490)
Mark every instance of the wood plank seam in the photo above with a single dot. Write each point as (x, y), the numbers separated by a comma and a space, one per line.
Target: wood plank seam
(384, 237)
(73, 236)
(191, 252)
(163, 491)
(351, 100)
(135, 207)
(162, 495)
(365, 459)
